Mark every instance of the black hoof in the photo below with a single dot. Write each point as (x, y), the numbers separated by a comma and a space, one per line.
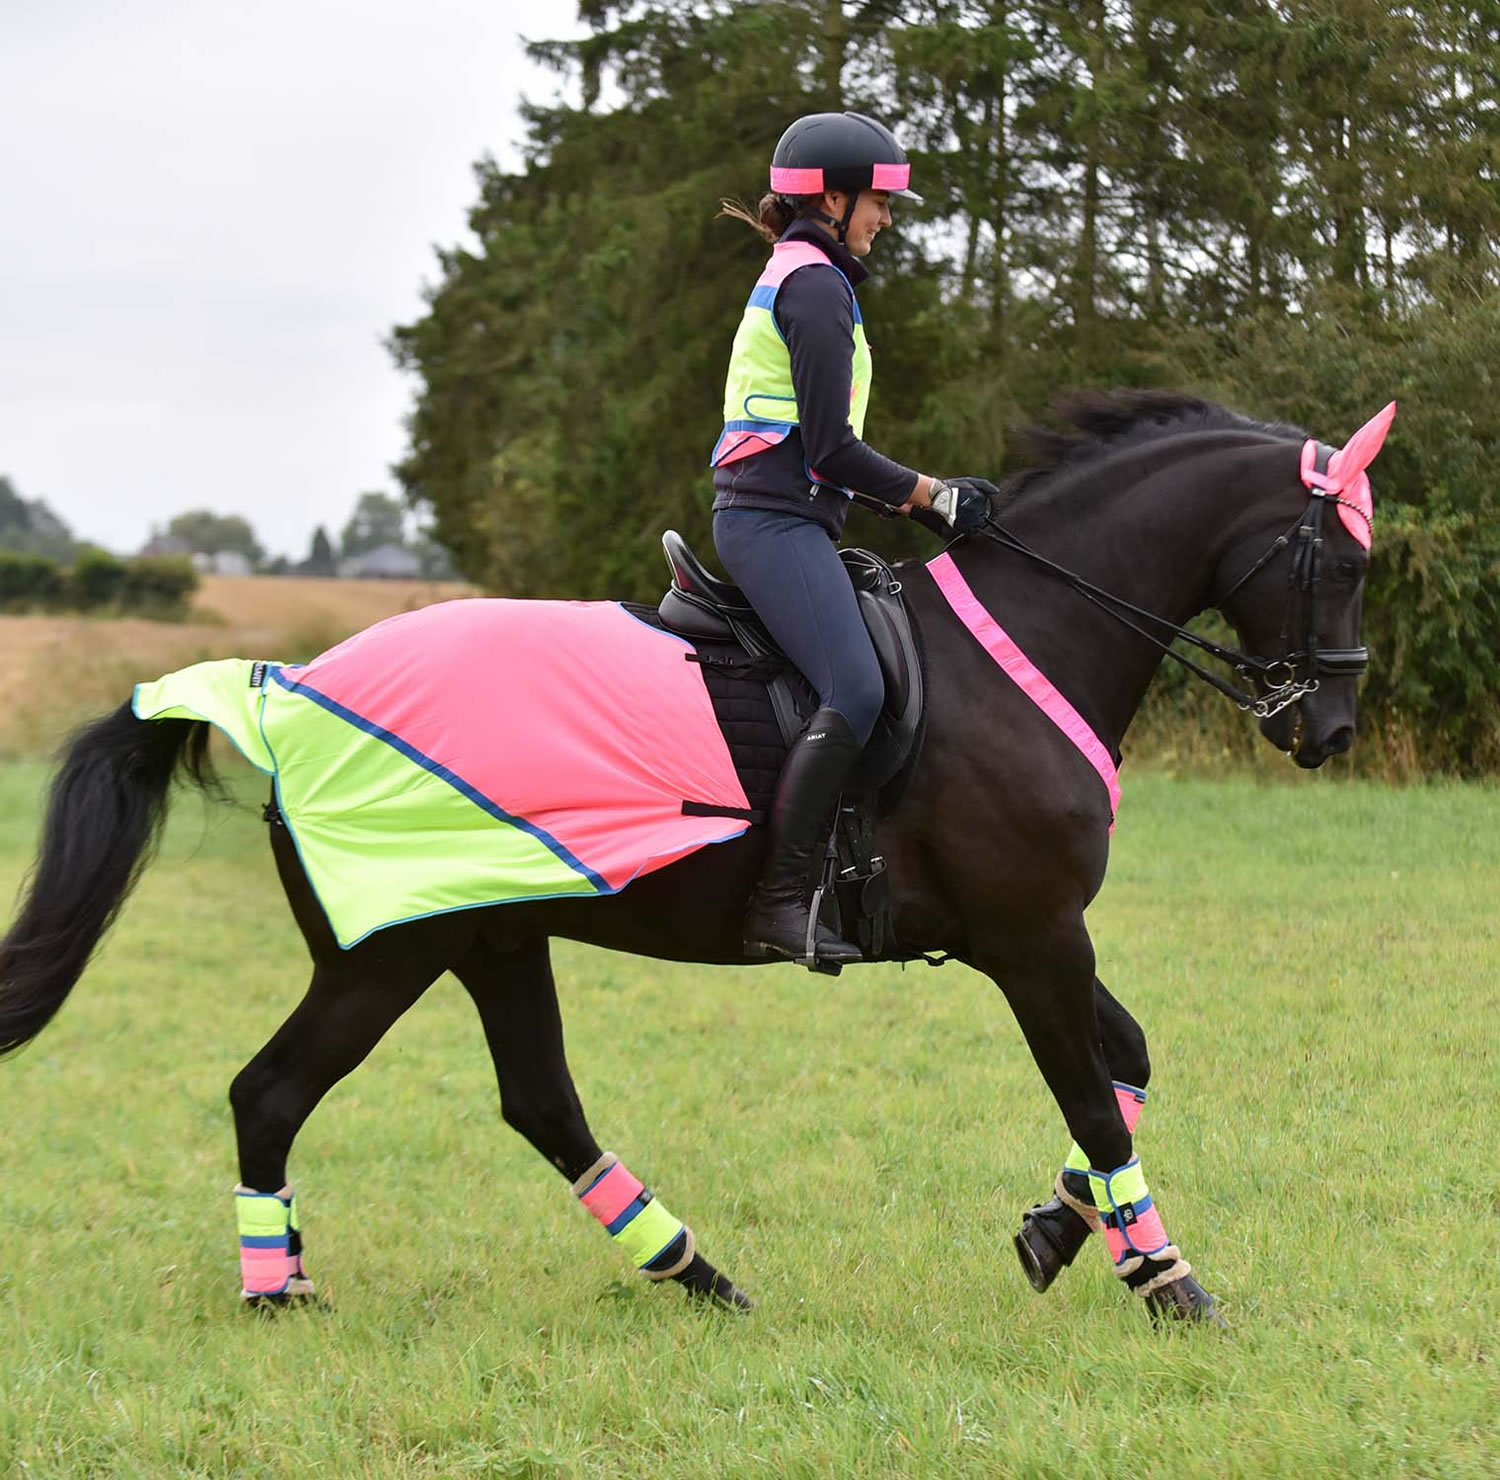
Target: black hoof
(727, 1295)
(1185, 1300)
(1051, 1236)
(703, 1282)
(291, 1300)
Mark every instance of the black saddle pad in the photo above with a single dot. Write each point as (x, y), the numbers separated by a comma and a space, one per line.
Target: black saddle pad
(743, 708)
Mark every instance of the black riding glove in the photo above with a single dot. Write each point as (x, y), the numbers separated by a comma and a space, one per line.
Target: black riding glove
(962, 504)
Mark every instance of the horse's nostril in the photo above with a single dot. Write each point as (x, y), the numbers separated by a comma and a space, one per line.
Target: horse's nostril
(1340, 741)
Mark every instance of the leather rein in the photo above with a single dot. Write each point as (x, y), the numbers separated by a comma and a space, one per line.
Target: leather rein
(1287, 678)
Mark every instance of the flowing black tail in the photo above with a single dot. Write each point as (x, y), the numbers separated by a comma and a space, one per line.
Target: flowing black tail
(104, 815)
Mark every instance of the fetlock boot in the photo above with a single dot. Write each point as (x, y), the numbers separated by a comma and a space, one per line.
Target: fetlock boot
(813, 775)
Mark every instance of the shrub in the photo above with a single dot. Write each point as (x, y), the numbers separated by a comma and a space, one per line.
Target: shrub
(28, 581)
(95, 579)
(158, 585)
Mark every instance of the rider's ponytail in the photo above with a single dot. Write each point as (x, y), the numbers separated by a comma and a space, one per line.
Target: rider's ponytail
(774, 214)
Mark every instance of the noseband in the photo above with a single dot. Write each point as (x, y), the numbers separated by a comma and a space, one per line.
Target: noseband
(1287, 678)
(1301, 670)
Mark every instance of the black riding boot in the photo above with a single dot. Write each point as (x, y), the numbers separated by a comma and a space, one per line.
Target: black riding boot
(811, 779)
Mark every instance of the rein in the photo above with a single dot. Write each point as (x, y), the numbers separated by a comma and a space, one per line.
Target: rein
(1286, 678)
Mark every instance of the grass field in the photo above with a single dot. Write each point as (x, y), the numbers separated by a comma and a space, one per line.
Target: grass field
(1316, 965)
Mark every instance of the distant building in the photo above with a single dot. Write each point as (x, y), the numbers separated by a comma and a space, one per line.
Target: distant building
(222, 563)
(167, 544)
(383, 563)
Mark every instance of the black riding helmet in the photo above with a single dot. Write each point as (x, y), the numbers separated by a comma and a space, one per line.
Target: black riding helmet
(840, 151)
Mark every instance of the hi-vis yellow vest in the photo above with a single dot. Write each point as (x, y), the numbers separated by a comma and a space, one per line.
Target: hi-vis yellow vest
(760, 404)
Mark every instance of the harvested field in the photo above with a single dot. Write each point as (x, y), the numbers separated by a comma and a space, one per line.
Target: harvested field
(58, 670)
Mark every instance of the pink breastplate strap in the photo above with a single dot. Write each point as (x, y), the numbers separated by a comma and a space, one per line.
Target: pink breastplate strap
(999, 644)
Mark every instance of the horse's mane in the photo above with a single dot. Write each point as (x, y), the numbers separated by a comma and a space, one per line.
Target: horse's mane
(1100, 423)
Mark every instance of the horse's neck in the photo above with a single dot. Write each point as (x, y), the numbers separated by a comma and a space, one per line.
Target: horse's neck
(1148, 525)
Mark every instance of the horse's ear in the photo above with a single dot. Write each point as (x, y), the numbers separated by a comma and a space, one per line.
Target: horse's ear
(1359, 451)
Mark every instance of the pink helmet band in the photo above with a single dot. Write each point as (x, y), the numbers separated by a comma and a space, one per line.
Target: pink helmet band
(788, 181)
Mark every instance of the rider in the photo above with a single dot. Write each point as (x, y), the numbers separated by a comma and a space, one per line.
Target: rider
(784, 466)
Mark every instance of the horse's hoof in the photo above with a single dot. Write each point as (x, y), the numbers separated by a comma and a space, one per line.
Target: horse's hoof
(728, 1296)
(1185, 1300)
(703, 1282)
(298, 1299)
(1051, 1236)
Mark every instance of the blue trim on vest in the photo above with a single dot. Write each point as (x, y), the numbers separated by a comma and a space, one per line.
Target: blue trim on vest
(818, 481)
(755, 424)
(769, 432)
(763, 295)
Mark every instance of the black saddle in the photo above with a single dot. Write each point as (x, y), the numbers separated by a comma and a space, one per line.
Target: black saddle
(700, 606)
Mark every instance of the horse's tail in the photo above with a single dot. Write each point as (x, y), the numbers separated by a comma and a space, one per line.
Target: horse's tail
(104, 815)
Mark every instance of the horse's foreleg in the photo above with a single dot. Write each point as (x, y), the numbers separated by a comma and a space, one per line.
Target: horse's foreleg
(1053, 1232)
(517, 1001)
(1050, 986)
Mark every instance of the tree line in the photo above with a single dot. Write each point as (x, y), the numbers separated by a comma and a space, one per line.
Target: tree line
(377, 520)
(1288, 205)
(42, 567)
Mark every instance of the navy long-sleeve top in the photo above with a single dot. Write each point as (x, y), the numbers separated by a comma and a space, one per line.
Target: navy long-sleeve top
(816, 318)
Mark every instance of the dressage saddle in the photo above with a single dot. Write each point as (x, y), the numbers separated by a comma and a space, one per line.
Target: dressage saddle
(707, 610)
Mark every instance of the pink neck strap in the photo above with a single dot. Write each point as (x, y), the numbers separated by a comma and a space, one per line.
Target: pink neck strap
(999, 644)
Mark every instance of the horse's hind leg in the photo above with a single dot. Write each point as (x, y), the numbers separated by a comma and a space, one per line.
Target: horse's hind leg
(1053, 1232)
(517, 1001)
(354, 997)
(1049, 982)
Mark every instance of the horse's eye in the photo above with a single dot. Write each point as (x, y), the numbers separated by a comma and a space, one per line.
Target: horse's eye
(1346, 569)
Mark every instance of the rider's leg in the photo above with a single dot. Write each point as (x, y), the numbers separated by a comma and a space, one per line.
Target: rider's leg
(789, 569)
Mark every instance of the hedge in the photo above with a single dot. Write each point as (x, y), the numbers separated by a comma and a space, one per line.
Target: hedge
(153, 586)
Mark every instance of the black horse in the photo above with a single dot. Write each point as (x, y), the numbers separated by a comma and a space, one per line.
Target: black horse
(1154, 509)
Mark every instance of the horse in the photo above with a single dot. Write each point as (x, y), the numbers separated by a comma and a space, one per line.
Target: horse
(1041, 633)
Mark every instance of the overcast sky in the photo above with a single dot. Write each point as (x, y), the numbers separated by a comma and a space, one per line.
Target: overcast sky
(211, 214)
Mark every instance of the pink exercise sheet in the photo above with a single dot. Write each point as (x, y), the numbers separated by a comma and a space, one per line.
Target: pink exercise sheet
(576, 717)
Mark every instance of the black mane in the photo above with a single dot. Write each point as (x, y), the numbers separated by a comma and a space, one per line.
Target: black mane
(1107, 421)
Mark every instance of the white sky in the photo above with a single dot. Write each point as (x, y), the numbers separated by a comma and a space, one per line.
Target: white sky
(211, 214)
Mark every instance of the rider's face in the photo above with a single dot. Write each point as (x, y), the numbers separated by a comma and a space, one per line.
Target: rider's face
(872, 214)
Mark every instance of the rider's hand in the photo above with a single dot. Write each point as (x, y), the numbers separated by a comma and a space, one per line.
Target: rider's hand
(962, 503)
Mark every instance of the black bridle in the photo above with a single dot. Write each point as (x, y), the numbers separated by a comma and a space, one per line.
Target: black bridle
(1287, 678)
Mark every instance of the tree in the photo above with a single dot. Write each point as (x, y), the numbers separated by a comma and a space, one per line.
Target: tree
(437, 563)
(207, 533)
(573, 363)
(378, 519)
(319, 560)
(31, 527)
(1217, 194)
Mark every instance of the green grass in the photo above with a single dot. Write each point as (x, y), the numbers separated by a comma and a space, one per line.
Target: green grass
(1315, 963)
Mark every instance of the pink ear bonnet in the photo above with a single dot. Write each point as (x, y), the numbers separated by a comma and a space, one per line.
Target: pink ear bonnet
(1345, 481)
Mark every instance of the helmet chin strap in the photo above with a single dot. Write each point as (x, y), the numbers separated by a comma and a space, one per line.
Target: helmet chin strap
(840, 226)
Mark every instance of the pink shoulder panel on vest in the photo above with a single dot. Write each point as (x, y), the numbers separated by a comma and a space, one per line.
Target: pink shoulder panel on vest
(787, 257)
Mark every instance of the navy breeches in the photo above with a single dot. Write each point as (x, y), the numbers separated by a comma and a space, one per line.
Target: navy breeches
(792, 573)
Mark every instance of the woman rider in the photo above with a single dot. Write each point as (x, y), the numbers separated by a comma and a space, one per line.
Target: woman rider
(784, 468)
